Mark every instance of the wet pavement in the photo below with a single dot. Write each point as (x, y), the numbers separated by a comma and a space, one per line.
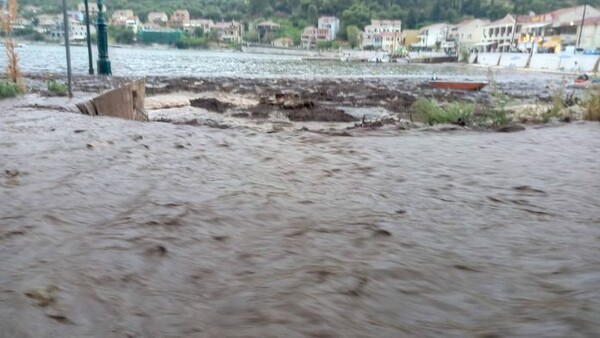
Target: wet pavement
(112, 228)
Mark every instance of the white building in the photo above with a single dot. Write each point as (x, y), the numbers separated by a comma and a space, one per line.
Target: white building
(373, 34)
(229, 32)
(313, 35)
(562, 27)
(20, 23)
(47, 23)
(590, 36)
(77, 30)
(180, 19)
(133, 23)
(332, 23)
(205, 24)
(468, 33)
(433, 37)
(391, 41)
(120, 16)
(160, 18)
(500, 35)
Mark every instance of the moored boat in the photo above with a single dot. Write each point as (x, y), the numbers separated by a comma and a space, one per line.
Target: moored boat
(458, 85)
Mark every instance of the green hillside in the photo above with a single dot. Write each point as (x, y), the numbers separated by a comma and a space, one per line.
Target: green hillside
(414, 13)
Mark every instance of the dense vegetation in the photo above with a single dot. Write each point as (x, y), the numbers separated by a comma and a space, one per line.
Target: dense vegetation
(298, 13)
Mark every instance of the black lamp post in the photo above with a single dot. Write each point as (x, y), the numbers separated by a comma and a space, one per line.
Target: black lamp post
(103, 61)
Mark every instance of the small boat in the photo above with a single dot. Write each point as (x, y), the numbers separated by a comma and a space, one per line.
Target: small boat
(584, 81)
(458, 85)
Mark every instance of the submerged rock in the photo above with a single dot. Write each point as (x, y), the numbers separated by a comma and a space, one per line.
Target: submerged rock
(211, 104)
(321, 114)
(510, 128)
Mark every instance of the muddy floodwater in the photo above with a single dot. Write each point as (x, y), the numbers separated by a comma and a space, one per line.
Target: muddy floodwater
(110, 228)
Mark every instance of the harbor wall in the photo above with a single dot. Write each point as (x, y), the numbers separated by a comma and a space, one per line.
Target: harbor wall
(551, 62)
(488, 59)
(514, 60)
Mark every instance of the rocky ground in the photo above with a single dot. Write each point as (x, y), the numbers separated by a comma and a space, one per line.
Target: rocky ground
(275, 104)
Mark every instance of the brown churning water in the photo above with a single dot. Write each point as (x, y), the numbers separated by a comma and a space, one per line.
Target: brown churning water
(111, 228)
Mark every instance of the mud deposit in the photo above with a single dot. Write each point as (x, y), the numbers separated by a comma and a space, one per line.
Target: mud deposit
(111, 228)
(393, 94)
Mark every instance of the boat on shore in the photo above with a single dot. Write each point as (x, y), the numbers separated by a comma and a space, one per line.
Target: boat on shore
(584, 81)
(458, 85)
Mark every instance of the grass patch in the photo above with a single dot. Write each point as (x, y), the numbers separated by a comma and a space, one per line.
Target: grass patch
(431, 112)
(8, 89)
(57, 87)
(592, 106)
(495, 119)
(555, 111)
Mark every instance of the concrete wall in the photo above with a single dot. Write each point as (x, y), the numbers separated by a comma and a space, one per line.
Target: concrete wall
(472, 58)
(578, 63)
(126, 102)
(554, 62)
(488, 59)
(514, 60)
(545, 61)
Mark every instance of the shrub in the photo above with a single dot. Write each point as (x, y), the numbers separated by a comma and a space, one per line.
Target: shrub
(430, 112)
(187, 42)
(8, 89)
(464, 55)
(592, 105)
(557, 107)
(460, 111)
(57, 87)
(499, 118)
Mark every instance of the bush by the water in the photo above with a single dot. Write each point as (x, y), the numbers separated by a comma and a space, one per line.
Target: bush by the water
(431, 112)
(592, 106)
(188, 42)
(8, 89)
(57, 87)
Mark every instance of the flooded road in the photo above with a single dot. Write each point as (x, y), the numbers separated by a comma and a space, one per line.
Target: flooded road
(111, 228)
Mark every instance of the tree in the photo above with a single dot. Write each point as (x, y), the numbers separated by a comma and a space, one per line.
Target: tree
(251, 36)
(214, 14)
(258, 7)
(353, 36)
(357, 15)
(214, 35)
(451, 16)
(198, 32)
(324, 44)
(412, 19)
(437, 12)
(312, 14)
(125, 36)
(121, 35)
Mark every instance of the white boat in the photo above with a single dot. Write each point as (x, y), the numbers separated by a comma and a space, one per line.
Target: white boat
(365, 56)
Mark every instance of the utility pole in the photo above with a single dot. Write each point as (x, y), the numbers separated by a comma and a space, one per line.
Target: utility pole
(103, 61)
(89, 38)
(514, 31)
(581, 28)
(67, 47)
